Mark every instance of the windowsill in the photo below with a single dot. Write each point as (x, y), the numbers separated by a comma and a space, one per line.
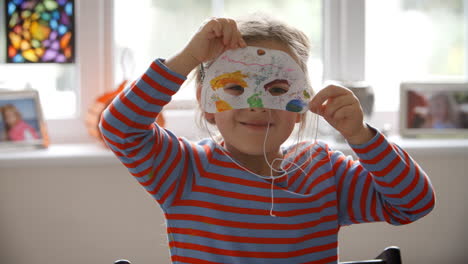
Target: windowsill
(92, 154)
(88, 154)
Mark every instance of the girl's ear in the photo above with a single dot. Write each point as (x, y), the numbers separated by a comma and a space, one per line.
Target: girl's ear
(210, 118)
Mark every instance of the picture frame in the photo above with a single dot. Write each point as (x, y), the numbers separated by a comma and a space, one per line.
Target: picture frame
(434, 110)
(21, 120)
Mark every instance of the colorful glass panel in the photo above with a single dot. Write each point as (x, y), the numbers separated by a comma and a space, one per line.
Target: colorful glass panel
(40, 31)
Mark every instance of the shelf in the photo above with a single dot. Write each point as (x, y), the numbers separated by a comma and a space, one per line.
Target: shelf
(90, 154)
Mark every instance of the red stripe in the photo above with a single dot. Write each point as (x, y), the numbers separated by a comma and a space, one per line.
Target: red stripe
(429, 205)
(385, 214)
(224, 178)
(166, 74)
(321, 178)
(389, 208)
(124, 119)
(169, 170)
(379, 157)
(294, 148)
(254, 254)
(388, 168)
(253, 211)
(342, 176)
(255, 240)
(167, 193)
(148, 156)
(147, 98)
(400, 177)
(300, 155)
(333, 259)
(141, 173)
(305, 178)
(113, 130)
(247, 225)
(352, 190)
(123, 146)
(408, 188)
(257, 198)
(157, 86)
(373, 208)
(419, 197)
(365, 193)
(371, 147)
(175, 258)
(166, 157)
(183, 181)
(135, 108)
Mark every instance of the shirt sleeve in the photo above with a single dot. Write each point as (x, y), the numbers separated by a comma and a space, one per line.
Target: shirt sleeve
(384, 184)
(153, 155)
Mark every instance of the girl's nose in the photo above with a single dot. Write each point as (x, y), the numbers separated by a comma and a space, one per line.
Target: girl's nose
(257, 109)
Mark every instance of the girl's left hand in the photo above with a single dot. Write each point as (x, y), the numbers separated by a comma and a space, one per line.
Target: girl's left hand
(342, 110)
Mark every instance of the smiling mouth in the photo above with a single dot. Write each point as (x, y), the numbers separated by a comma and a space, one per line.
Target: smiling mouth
(256, 125)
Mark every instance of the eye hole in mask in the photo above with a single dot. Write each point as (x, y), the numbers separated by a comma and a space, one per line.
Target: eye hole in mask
(233, 89)
(277, 87)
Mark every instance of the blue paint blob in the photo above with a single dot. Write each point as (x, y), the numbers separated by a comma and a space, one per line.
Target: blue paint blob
(295, 105)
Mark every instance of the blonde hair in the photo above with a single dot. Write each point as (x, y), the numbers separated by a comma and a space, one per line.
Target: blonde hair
(261, 27)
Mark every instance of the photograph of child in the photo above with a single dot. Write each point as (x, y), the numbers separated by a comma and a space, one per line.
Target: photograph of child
(19, 120)
(437, 109)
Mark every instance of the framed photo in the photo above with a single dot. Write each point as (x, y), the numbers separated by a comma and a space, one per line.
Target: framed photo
(21, 121)
(434, 109)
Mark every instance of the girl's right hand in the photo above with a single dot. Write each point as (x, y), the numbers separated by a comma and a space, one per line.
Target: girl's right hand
(214, 36)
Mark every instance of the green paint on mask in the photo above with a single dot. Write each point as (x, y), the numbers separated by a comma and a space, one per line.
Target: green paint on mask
(255, 101)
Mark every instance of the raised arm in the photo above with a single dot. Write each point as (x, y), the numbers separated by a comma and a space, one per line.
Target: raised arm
(385, 184)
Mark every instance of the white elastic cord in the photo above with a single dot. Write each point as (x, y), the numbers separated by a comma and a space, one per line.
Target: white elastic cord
(271, 177)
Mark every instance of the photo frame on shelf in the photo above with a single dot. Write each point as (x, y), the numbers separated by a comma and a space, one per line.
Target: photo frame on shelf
(21, 121)
(434, 110)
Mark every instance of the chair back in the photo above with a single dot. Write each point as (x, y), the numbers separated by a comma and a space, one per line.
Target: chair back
(390, 255)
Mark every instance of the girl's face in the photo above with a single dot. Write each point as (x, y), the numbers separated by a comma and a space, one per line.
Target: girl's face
(439, 108)
(10, 117)
(244, 130)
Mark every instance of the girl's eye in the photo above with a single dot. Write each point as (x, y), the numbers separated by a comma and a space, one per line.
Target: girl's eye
(234, 89)
(277, 87)
(277, 90)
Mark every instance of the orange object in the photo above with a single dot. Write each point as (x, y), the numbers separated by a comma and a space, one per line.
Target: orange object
(100, 104)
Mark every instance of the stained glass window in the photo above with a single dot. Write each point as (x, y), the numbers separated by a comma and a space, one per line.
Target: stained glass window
(40, 31)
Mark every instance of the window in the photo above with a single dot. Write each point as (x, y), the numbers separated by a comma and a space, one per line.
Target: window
(66, 91)
(408, 40)
(167, 27)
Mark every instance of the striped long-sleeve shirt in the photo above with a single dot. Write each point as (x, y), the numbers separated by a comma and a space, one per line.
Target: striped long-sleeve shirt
(216, 212)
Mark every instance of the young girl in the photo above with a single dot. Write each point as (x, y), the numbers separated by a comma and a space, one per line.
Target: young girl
(16, 128)
(246, 199)
(442, 112)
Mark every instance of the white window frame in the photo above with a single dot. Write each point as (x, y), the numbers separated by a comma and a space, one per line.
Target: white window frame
(343, 56)
(344, 40)
(94, 65)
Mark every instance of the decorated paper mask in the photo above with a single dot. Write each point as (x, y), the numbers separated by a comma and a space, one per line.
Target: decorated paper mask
(255, 77)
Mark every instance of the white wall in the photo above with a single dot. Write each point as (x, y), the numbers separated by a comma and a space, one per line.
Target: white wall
(97, 214)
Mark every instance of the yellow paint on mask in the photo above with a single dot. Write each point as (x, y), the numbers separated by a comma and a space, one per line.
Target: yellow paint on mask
(228, 78)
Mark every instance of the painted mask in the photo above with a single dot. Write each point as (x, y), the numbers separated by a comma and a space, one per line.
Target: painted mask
(255, 77)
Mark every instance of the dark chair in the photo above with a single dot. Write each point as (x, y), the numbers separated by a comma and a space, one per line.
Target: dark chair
(122, 261)
(391, 255)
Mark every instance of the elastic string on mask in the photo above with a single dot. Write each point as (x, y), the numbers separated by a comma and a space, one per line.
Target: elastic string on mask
(271, 177)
